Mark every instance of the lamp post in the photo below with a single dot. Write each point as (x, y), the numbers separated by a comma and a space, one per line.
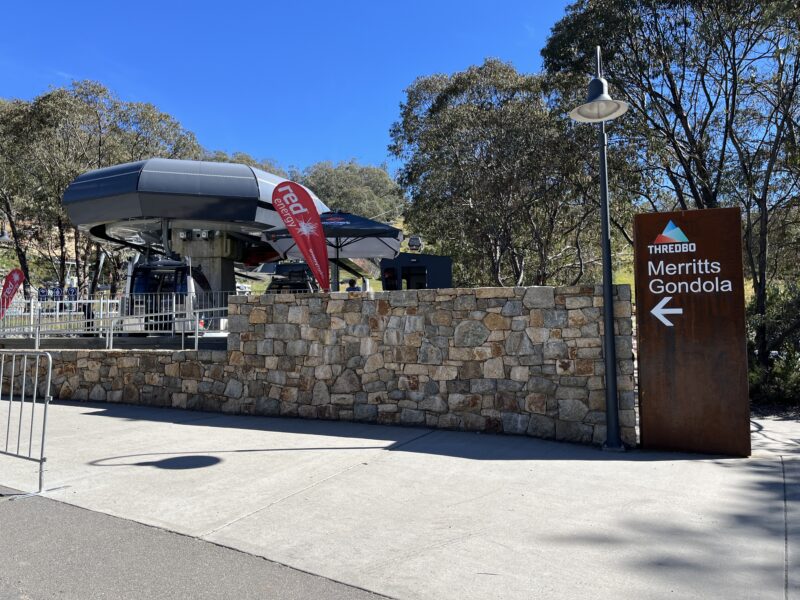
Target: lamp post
(599, 108)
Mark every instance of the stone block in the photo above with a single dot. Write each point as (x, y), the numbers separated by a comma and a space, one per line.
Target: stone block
(554, 319)
(622, 309)
(539, 297)
(483, 386)
(441, 318)
(410, 416)
(541, 426)
(564, 392)
(571, 409)
(574, 432)
(343, 399)
(449, 421)
(365, 412)
(282, 331)
(233, 389)
(373, 363)
(98, 393)
(464, 402)
(572, 302)
(445, 373)
(520, 373)
(320, 393)
(536, 403)
(474, 422)
(512, 308)
(347, 382)
(495, 322)
(429, 354)
(434, 404)
(555, 349)
(516, 423)
(564, 366)
(267, 406)
(494, 369)
(519, 344)
(470, 333)
(542, 385)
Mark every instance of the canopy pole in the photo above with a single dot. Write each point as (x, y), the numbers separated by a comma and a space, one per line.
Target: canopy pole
(336, 268)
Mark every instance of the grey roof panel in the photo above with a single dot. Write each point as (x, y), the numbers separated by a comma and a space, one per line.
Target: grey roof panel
(111, 181)
(161, 188)
(190, 177)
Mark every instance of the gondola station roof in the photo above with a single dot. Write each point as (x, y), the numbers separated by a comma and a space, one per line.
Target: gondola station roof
(220, 195)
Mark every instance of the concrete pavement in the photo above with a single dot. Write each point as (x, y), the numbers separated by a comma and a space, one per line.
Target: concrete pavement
(415, 513)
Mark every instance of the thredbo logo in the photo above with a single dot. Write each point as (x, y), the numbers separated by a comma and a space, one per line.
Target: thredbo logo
(671, 241)
(695, 275)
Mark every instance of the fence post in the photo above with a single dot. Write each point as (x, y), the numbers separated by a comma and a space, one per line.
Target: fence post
(110, 334)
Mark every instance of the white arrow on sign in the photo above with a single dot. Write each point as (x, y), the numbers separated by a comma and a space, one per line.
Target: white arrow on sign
(659, 311)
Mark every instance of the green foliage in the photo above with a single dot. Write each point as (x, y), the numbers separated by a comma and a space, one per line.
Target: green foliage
(47, 142)
(364, 190)
(775, 378)
(714, 92)
(500, 178)
(265, 164)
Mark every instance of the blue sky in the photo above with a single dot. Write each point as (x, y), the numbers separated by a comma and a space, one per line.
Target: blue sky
(297, 82)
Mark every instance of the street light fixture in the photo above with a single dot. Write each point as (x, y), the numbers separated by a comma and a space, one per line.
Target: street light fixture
(599, 108)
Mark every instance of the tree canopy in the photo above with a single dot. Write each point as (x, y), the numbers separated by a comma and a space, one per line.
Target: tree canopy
(715, 111)
(364, 190)
(498, 176)
(46, 142)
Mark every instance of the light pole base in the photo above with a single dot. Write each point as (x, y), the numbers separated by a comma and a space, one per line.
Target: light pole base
(607, 448)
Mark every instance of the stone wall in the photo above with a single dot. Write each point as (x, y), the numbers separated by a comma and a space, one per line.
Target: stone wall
(513, 360)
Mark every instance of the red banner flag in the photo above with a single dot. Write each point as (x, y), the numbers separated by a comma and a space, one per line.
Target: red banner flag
(296, 208)
(10, 286)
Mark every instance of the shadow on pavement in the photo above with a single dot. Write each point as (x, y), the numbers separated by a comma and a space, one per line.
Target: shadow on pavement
(474, 446)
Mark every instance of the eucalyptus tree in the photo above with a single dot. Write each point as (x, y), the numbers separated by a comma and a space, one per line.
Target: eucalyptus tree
(46, 142)
(265, 164)
(498, 176)
(351, 187)
(713, 88)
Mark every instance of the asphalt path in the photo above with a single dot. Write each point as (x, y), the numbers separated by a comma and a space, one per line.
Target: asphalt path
(49, 549)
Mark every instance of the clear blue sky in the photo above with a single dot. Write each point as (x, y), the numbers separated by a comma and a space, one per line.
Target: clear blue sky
(297, 82)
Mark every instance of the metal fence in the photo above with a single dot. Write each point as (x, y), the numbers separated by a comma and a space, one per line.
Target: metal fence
(24, 386)
(134, 314)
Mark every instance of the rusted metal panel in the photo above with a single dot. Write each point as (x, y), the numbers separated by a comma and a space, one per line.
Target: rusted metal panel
(691, 327)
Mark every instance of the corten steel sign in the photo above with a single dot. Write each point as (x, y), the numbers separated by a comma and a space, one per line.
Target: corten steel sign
(690, 316)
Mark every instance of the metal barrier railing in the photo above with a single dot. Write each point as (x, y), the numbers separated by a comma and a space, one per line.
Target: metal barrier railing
(140, 314)
(199, 323)
(25, 382)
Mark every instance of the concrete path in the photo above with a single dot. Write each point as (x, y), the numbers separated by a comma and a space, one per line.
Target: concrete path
(415, 513)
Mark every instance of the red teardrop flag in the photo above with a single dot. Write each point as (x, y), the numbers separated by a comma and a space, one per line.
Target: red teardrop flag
(10, 286)
(296, 208)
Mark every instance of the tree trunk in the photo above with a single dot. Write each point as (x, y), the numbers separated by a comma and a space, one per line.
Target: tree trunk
(97, 267)
(760, 289)
(80, 275)
(22, 255)
(62, 255)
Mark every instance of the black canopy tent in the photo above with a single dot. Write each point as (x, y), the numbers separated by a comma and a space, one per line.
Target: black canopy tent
(347, 236)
